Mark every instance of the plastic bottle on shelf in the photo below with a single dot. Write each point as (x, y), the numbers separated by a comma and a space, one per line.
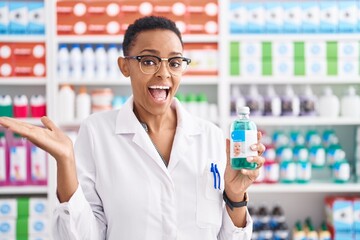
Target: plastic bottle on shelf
(101, 62)
(18, 160)
(4, 158)
(326, 100)
(243, 134)
(66, 103)
(341, 169)
(237, 100)
(6, 106)
(290, 103)
(303, 167)
(272, 102)
(254, 101)
(308, 102)
(38, 165)
(112, 56)
(350, 104)
(76, 62)
(88, 56)
(63, 60)
(37, 105)
(83, 104)
(21, 106)
(287, 167)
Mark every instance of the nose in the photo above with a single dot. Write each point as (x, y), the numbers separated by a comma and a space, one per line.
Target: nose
(163, 71)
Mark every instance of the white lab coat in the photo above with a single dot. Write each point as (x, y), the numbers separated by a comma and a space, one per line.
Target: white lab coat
(127, 193)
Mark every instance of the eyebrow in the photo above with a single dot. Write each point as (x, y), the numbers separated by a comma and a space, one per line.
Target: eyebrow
(157, 52)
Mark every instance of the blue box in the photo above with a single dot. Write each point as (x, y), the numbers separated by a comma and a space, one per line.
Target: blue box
(18, 13)
(292, 17)
(274, 20)
(348, 16)
(357, 216)
(36, 13)
(4, 17)
(238, 18)
(329, 16)
(310, 17)
(255, 17)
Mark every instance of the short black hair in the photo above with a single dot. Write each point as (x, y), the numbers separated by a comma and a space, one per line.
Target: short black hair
(145, 24)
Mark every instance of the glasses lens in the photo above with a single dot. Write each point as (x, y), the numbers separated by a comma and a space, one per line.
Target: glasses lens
(177, 65)
(149, 64)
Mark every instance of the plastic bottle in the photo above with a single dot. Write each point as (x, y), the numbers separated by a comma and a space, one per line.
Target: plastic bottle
(341, 169)
(272, 102)
(277, 217)
(298, 232)
(112, 56)
(18, 160)
(287, 167)
(38, 166)
(303, 167)
(66, 103)
(76, 62)
(100, 62)
(282, 232)
(4, 158)
(88, 56)
(311, 233)
(324, 233)
(21, 106)
(37, 106)
(350, 104)
(290, 103)
(243, 134)
(308, 102)
(63, 62)
(6, 106)
(326, 100)
(83, 104)
(254, 101)
(237, 100)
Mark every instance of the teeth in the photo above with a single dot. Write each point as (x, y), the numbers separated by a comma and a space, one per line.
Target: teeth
(160, 87)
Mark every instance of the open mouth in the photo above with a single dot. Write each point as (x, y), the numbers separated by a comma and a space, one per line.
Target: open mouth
(159, 93)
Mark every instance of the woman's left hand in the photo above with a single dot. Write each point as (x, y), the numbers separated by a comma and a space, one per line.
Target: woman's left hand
(238, 181)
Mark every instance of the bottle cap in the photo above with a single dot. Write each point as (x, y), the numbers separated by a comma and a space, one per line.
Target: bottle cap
(243, 110)
(202, 97)
(2, 134)
(82, 90)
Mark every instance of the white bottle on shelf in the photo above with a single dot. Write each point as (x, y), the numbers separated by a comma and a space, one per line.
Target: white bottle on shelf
(76, 62)
(83, 104)
(63, 60)
(66, 103)
(112, 65)
(254, 101)
(100, 62)
(290, 103)
(88, 56)
(272, 102)
(326, 100)
(308, 102)
(237, 100)
(350, 104)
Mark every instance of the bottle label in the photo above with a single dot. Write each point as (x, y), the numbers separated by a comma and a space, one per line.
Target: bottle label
(241, 140)
(2, 164)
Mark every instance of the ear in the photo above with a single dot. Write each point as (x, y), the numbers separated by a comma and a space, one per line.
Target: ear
(124, 66)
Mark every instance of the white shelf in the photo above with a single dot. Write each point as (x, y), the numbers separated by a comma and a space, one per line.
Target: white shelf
(118, 39)
(326, 80)
(201, 38)
(116, 82)
(22, 81)
(10, 190)
(293, 37)
(307, 187)
(22, 38)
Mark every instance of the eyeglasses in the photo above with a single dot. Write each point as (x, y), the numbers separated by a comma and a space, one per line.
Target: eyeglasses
(150, 64)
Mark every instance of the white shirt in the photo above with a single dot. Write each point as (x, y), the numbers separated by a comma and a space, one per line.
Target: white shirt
(127, 193)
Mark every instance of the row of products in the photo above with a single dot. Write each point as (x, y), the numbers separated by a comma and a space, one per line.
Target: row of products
(297, 157)
(294, 58)
(323, 16)
(109, 18)
(21, 107)
(22, 17)
(198, 105)
(307, 231)
(343, 217)
(289, 103)
(22, 59)
(21, 162)
(24, 218)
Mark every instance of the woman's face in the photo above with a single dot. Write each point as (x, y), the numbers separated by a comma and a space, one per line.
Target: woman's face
(153, 93)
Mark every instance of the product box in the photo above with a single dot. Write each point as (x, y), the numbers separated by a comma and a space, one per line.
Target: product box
(315, 66)
(283, 66)
(256, 17)
(36, 13)
(339, 213)
(238, 17)
(315, 49)
(357, 215)
(274, 17)
(71, 17)
(4, 17)
(18, 16)
(329, 19)
(250, 49)
(282, 49)
(348, 67)
(203, 16)
(103, 18)
(250, 67)
(23, 207)
(348, 49)
(6, 60)
(310, 17)
(38, 168)
(348, 15)
(292, 17)
(8, 208)
(29, 58)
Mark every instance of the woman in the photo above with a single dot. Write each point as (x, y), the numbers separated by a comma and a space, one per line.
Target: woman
(149, 170)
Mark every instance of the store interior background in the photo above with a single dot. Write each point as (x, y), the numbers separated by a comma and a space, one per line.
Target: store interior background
(233, 45)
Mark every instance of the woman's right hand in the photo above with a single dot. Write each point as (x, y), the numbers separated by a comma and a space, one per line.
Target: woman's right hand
(51, 139)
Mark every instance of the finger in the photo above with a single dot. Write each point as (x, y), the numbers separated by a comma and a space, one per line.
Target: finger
(259, 136)
(16, 126)
(48, 123)
(227, 152)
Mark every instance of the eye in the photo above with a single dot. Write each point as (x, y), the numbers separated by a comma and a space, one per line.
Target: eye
(176, 62)
(149, 61)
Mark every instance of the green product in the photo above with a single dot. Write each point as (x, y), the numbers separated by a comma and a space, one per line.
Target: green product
(23, 207)
(267, 59)
(243, 134)
(22, 228)
(332, 58)
(201, 97)
(299, 59)
(234, 58)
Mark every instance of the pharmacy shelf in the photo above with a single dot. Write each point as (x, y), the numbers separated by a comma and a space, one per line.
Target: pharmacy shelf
(307, 187)
(23, 190)
(22, 38)
(22, 81)
(293, 37)
(302, 121)
(199, 80)
(273, 80)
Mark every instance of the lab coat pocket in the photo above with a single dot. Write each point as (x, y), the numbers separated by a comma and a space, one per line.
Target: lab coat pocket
(209, 199)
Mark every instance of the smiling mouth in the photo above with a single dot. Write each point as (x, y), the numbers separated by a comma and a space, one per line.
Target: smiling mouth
(159, 93)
